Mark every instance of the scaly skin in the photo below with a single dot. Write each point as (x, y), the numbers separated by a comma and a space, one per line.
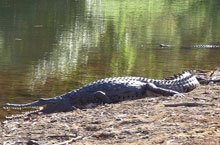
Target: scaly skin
(194, 46)
(206, 46)
(112, 90)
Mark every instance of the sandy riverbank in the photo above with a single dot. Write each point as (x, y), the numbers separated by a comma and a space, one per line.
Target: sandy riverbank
(193, 119)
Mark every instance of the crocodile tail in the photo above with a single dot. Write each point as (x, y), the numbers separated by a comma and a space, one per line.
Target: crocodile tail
(180, 76)
(183, 82)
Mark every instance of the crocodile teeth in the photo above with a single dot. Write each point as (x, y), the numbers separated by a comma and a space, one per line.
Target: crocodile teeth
(14, 108)
(5, 108)
(14, 116)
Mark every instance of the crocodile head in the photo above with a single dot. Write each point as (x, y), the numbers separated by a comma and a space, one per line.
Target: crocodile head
(164, 45)
(45, 106)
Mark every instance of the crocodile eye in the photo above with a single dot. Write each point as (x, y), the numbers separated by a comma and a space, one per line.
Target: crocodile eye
(41, 99)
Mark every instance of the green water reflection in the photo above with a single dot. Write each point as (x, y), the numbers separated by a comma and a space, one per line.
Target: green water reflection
(50, 47)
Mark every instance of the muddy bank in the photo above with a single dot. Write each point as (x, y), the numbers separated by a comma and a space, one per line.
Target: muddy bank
(193, 119)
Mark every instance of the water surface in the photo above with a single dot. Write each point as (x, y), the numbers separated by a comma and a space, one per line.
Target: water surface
(48, 47)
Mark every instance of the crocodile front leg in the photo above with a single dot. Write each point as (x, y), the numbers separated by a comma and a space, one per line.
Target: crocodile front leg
(100, 97)
(153, 90)
(97, 97)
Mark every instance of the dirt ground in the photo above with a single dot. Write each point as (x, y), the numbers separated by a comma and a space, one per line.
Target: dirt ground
(194, 119)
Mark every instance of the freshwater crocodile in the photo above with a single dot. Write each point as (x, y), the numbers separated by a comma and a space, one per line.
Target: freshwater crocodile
(194, 46)
(111, 90)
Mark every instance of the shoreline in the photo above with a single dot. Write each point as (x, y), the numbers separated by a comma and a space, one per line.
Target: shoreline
(193, 119)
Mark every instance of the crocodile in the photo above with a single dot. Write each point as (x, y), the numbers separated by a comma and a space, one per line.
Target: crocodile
(194, 46)
(111, 90)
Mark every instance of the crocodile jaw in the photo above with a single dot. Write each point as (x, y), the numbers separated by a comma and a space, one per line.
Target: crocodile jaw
(19, 107)
(41, 106)
(38, 111)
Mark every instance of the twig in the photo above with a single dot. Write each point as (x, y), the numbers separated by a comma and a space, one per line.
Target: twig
(55, 136)
(188, 105)
(212, 73)
(71, 140)
(215, 81)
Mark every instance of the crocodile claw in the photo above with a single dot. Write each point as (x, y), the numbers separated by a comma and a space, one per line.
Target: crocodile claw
(179, 95)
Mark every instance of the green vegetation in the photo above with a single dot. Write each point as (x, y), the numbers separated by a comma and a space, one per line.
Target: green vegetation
(70, 43)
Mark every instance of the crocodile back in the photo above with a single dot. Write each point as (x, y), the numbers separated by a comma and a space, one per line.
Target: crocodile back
(183, 82)
(206, 46)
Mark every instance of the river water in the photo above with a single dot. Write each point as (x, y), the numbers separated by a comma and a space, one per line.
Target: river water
(49, 47)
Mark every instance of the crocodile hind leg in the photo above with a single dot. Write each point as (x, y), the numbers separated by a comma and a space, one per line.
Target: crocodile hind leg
(153, 90)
